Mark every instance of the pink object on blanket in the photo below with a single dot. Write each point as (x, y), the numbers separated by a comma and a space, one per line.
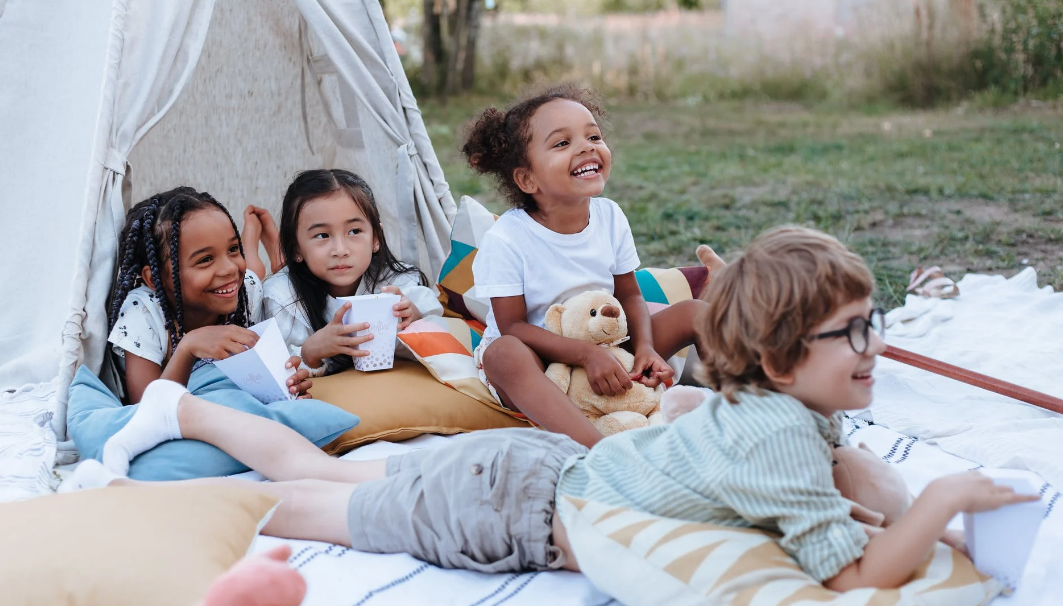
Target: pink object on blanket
(263, 579)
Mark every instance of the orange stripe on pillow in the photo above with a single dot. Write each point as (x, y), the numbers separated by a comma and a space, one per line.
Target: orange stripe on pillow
(426, 344)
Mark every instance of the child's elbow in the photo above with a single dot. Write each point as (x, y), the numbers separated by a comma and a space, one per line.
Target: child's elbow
(855, 576)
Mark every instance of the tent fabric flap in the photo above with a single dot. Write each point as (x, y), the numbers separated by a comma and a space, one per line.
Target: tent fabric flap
(374, 91)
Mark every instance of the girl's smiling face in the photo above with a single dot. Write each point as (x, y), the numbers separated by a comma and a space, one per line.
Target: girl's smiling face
(211, 268)
(336, 241)
(567, 156)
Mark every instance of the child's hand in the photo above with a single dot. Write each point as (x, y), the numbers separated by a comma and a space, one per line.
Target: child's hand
(334, 339)
(650, 369)
(218, 342)
(974, 492)
(299, 383)
(604, 372)
(405, 310)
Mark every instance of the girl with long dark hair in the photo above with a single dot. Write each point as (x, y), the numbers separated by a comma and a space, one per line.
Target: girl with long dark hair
(334, 246)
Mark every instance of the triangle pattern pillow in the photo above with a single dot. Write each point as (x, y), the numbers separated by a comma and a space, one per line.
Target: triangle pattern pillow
(646, 560)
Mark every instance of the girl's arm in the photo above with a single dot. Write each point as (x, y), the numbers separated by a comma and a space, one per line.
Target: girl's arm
(138, 373)
(606, 375)
(627, 291)
(891, 556)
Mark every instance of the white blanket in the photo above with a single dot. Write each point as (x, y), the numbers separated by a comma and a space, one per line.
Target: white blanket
(1005, 328)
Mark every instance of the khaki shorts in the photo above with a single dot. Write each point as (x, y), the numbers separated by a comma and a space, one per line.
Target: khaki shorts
(484, 502)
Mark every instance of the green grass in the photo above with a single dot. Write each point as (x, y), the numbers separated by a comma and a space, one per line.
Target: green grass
(968, 190)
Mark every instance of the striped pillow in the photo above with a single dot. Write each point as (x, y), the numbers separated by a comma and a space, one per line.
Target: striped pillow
(444, 346)
(647, 560)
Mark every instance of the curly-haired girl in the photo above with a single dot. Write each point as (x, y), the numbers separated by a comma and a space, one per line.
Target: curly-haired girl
(183, 293)
(551, 162)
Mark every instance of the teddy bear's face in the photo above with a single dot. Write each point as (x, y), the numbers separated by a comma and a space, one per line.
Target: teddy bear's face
(594, 316)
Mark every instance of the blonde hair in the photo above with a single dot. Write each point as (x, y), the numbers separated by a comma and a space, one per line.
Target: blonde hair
(762, 306)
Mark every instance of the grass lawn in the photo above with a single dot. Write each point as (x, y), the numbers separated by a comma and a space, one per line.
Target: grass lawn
(978, 191)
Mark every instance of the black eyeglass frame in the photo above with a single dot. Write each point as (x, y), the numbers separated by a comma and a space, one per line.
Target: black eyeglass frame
(847, 332)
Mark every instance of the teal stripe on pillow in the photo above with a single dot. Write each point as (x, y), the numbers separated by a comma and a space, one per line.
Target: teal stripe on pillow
(651, 290)
(474, 338)
(458, 252)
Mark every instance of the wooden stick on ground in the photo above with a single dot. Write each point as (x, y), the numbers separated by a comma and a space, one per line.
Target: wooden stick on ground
(970, 377)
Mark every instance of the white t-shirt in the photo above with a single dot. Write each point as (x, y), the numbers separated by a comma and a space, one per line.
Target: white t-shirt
(280, 304)
(141, 327)
(521, 257)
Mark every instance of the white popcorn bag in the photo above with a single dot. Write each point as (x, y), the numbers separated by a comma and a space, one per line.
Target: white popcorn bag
(1000, 541)
(377, 311)
(261, 370)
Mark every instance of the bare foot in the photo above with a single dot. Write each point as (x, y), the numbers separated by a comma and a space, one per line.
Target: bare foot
(271, 238)
(710, 259)
(250, 238)
(263, 579)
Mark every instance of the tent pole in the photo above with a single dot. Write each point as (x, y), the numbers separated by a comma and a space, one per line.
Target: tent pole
(970, 377)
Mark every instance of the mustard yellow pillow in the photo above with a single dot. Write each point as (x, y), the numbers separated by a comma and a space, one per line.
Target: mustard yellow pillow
(646, 560)
(403, 403)
(119, 546)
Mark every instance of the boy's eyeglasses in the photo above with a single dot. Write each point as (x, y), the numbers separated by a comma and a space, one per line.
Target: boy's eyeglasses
(859, 330)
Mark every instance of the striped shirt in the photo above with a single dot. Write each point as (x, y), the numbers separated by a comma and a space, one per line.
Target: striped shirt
(765, 463)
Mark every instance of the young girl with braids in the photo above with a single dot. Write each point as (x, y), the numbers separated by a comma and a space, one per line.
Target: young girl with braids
(551, 162)
(334, 246)
(183, 292)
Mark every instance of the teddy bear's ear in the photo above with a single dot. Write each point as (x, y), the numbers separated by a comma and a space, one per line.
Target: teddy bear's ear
(552, 322)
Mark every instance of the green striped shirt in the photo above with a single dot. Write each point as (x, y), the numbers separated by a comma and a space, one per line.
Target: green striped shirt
(764, 462)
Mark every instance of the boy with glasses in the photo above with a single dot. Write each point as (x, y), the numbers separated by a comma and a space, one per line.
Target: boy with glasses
(789, 342)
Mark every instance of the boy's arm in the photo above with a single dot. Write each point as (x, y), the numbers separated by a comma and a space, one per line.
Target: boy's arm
(891, 556)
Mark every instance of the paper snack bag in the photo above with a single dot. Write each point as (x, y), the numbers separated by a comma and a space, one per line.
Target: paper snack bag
(1000, 541)
(377, 311)
(260, 371)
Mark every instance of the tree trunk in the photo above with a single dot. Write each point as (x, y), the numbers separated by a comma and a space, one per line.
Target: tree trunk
(456, 51)
(468, 70)
(433, 46)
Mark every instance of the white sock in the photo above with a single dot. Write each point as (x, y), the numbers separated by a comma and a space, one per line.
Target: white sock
(154, 422)
(90, 473)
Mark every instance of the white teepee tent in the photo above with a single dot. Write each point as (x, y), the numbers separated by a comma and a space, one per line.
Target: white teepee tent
(232, 99)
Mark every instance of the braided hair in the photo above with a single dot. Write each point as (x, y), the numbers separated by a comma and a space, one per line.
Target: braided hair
(312, 292)
(151, 237)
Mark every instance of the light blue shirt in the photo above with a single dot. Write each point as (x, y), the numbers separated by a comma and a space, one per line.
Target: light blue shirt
(764, 462)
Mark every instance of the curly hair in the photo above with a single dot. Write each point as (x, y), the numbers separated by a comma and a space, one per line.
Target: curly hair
(496, 142)
(312, 292)
(763, 305)
(150, 238)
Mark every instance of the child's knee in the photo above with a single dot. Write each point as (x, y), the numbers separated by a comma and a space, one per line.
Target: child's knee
(508, 356)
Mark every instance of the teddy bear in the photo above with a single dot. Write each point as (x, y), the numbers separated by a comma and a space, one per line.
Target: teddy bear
(596, 316)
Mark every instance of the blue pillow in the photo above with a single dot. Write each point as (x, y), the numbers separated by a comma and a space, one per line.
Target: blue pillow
(94, 414)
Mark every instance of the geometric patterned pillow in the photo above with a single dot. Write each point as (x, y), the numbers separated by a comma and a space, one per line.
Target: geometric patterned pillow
(455, 277)
(444, 346)
(646, 560)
